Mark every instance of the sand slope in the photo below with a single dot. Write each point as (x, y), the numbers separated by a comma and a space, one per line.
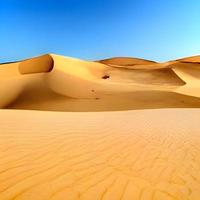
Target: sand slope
(62, 78)
(108, 155)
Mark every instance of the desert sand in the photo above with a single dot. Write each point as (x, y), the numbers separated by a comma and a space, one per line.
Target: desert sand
(118, 128)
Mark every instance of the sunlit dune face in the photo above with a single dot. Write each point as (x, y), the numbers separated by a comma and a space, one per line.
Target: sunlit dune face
(160, 77)
(36, 65)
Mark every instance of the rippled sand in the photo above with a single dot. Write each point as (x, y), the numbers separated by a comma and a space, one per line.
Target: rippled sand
(146, 154)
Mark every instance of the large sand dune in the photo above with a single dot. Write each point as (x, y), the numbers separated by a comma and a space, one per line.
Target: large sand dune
(138, 155)
(60, 81)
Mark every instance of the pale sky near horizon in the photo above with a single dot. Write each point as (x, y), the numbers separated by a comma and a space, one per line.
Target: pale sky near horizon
(95, 29)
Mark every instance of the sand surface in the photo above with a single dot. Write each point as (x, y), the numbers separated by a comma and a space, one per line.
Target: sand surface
(145, 145)
(146, 154)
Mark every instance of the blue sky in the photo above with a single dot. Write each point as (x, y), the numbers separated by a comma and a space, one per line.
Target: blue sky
(94, 29)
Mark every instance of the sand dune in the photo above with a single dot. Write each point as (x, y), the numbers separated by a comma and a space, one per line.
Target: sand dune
(73, 78)
(192, 59)
(126, 61)
(123, 155)
(188, 70)
(132, 63)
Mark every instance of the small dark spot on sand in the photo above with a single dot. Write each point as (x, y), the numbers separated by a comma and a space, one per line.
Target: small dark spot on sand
(97, 98)
(105, 77)
(92, 90)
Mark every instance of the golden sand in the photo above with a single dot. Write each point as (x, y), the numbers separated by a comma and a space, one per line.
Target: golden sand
(146, 154)
(141, 85)
(36, 65)
(139, 151)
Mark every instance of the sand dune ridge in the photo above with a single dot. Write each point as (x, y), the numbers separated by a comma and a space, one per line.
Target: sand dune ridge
(75, 78)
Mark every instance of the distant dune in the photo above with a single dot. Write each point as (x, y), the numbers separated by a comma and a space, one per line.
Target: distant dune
(192, 59)
(126, 61)
(148, 149)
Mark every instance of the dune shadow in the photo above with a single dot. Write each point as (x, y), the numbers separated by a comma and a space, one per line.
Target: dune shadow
(39, 64)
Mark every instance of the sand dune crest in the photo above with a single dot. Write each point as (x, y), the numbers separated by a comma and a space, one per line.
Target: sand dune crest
(126, 61)
(36, 65)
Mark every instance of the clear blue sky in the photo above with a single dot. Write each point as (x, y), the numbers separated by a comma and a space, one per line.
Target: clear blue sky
(94, 29)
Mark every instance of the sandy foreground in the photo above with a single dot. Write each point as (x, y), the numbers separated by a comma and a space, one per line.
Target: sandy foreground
(146, 154)
(114, 129)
